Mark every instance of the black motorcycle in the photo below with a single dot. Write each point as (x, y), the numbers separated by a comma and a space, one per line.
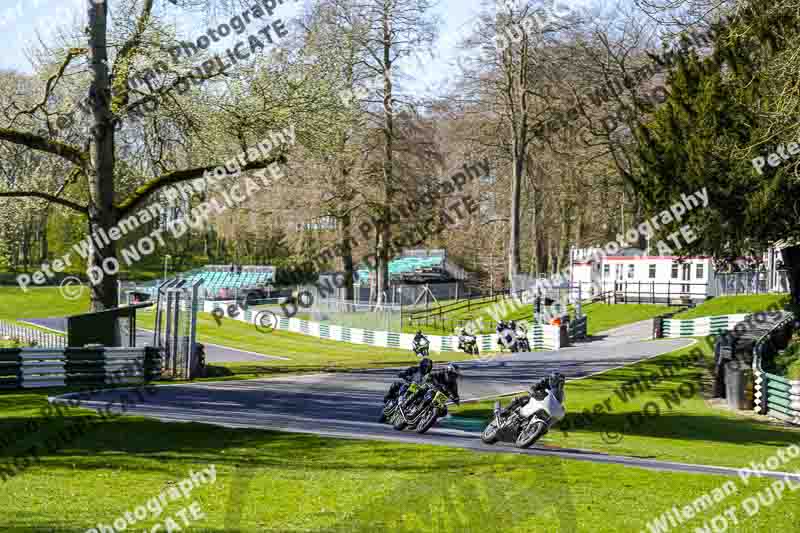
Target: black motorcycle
(427, 403)
(421, 408)
(523, 345)
(421, 345)
(468, 343)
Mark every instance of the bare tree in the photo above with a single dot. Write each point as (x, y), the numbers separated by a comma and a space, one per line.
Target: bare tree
(112, 100)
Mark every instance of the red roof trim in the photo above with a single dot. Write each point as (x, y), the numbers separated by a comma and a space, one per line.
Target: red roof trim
(652, 257)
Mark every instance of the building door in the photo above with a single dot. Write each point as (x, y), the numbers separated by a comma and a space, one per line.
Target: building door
(686, 276)
(618, 278)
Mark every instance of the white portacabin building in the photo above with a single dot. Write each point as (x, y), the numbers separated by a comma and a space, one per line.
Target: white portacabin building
(633, 275)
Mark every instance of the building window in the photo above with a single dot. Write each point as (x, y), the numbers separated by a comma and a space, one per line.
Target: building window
(652, 272)
(606, 270)
(700, 274)
(674, 270)
(631, 271)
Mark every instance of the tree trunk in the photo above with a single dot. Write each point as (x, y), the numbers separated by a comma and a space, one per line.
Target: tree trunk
(534, 265)
(101, 208)
(513, 242)
(43, 244)
(384, 232)
(347, 257)
(791, 260)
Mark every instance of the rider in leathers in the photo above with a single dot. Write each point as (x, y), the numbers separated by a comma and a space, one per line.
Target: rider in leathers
(446, 380)
(537, 390)
(412, 374)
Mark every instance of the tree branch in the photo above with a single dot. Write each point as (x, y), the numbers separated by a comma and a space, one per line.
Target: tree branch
(52, 81)
(71, 153)
(45, 196)
(125, 57)
(179, 176)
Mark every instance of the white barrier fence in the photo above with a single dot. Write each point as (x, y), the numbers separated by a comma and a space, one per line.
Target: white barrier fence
(35, 336)
(541, 337)
(700, 327)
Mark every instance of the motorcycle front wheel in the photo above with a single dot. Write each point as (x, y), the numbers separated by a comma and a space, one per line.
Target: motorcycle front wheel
(531, 433)
(489, 434)
(427, 421)
(399, 423)
(389, 408)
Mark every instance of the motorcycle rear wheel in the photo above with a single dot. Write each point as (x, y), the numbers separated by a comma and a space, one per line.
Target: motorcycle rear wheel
(489, 433)
(427, 421)
(531, 433)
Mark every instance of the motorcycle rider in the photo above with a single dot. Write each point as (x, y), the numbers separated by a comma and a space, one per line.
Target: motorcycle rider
(419, 343)
(506, 335)
(465, 339)
(521, 332)
(446, 380)
(538, 391)
(412, 374)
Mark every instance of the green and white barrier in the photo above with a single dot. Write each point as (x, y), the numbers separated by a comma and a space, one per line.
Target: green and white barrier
(700, 327)
(541, 337)
(777, 396)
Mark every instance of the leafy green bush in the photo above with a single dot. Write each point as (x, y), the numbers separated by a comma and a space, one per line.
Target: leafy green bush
(793, 372)
(788, 361)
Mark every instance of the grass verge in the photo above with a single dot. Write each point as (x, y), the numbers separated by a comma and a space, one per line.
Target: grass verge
(665, 418)
(268, 481)
(41, 302)
(603, 317)
(734, 305)
(305, 353)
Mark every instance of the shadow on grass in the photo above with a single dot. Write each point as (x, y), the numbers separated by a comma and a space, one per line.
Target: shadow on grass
(672, 426)
(131, 442)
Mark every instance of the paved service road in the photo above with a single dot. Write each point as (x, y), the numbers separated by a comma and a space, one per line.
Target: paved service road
(349, 404)
(215, 353)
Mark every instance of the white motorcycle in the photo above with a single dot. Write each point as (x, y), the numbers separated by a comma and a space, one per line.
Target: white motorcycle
(507, 337)
(526, 420)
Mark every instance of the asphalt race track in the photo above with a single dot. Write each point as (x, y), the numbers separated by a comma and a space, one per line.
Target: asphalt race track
(348, 404)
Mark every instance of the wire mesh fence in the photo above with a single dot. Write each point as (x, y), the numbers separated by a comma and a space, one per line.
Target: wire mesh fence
(751, 282)
(351, 314)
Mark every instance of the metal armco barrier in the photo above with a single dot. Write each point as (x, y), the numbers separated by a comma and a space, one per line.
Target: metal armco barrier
(775, 396)
(96, 366)
(578, 328)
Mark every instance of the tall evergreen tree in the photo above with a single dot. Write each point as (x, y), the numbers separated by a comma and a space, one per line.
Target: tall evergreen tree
(708, 133)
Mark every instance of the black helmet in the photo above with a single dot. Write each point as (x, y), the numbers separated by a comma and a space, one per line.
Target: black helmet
(452, 370)
(425, 366)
